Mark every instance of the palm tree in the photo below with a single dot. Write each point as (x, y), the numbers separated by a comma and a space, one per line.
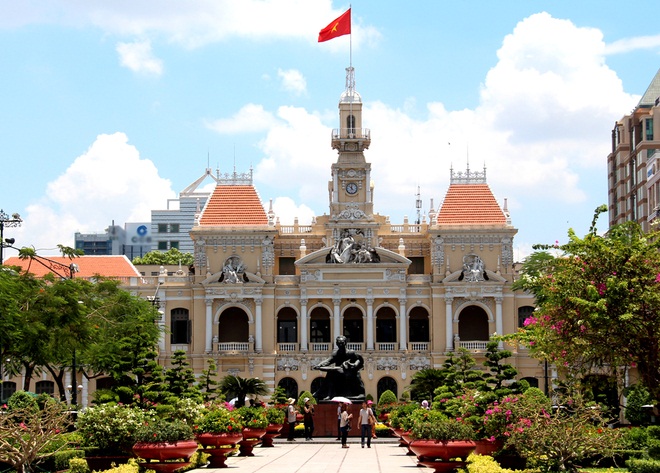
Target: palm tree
(240, 388)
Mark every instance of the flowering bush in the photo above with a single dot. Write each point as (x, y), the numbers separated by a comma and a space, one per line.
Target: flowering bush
(219, 420)
(436, 426)
(275, 415)
(110, 428)
(158, 430)
(499, 419)
(253, 417)
(399, 417)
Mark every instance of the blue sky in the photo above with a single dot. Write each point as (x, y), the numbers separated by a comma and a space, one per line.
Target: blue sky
(109, 108)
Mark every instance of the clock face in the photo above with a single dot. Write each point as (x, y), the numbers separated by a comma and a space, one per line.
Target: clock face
(351, 188)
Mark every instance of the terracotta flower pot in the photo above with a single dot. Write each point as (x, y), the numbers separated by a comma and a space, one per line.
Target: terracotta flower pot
(487, 447)
(218, 446)
(272, 431)
(430, 449)
(165, 451)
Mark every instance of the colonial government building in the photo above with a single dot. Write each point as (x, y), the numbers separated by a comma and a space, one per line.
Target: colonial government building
(268, 300)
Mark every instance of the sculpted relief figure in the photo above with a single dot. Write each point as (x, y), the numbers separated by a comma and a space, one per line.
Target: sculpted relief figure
(342, 377)
(348, 250)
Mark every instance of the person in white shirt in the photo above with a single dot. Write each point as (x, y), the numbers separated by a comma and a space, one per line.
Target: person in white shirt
(366, 420)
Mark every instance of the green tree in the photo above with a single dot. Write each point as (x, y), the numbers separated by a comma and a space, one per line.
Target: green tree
(180, 379)
(424, 383)
(207, 383)
(171, 256)
(239, 388)
(598, 302)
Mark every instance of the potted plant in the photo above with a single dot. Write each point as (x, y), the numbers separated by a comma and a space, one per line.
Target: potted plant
(255, 424)
(108, 433)
(275, 416)
(386, 403)
(438, 439)
(161, 439)
(218, 430)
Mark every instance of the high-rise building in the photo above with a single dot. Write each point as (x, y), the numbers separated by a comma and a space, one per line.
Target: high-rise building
(170, 228)
(632, 166)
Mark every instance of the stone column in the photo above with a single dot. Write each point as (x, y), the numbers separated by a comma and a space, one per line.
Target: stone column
(258, 330)
(370, 323)
(209, 326)
(403, 319)
(303, 324)
(449, 324)
(498, 320)
(336, 322)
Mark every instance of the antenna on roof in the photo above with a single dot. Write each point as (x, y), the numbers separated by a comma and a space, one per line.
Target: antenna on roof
(418, 205)
(234, 158)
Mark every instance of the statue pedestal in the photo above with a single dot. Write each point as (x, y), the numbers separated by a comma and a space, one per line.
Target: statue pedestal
(325, 419)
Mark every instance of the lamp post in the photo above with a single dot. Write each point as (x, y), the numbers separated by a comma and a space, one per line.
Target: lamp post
(14, 220)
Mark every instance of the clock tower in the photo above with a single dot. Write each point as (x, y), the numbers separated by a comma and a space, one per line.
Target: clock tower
(351, 194)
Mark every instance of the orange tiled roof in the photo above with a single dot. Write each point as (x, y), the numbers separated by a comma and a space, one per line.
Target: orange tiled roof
(234, 205)
(89, 266)
(470, 204)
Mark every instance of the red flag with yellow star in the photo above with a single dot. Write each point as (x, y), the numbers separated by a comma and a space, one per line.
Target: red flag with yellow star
(338, 27)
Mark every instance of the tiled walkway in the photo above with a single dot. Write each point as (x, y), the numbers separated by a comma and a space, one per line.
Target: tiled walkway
(323, 456)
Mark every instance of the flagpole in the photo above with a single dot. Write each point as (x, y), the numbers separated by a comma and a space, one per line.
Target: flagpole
(350, 41)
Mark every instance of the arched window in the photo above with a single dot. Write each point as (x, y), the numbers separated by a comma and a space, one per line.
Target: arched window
(523, 314)
(419, 325)
(473, 324)
(353, 325)
(319, 325)
(44, 387)
(386, 383)
(385, 325)
(287, 326)
(181, 326)
(290, 387)
(533, 382)
(233, 326)
(7, 388)
(317, 384)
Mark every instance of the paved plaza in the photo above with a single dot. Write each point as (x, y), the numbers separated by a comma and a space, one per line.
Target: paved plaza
(323, 456)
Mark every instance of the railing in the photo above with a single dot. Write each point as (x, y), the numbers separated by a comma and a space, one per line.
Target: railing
(287, 347)
(234, 346)
(319, 346)
(295, 229)
(419, 346)
(355, 346)
(478, 345)
(407, 228)
(387, 346)
(351, 133)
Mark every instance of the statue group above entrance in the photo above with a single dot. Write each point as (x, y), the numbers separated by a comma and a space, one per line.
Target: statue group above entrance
(233, 271)
(473, 269)
(348, 250)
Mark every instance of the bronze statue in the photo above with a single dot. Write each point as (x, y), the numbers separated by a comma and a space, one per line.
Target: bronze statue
(342, 374)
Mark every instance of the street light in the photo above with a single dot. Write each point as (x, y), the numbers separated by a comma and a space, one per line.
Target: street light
(14, 220)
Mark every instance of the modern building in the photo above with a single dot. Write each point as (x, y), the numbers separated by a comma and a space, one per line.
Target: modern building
(132, 241)
(632, 166)
(170, 228)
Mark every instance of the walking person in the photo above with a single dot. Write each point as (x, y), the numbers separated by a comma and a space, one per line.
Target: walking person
(291, 414)
(308, 419)
(370, 405)
(366, 420)
(339, 421)
(345, 425)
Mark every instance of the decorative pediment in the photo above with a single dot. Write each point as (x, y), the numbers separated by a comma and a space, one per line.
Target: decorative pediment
(322, 256)
(488, 276)
(215, 279)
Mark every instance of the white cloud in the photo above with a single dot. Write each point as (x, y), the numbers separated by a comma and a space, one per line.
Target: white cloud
(108, 182)
(287, 211)
(541, 128)
(194, 23)
(627, 45)
(139, 58)
(293, 81)
(249, 119)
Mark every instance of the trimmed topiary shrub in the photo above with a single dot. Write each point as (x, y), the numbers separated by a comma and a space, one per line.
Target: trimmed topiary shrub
(643, 466)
